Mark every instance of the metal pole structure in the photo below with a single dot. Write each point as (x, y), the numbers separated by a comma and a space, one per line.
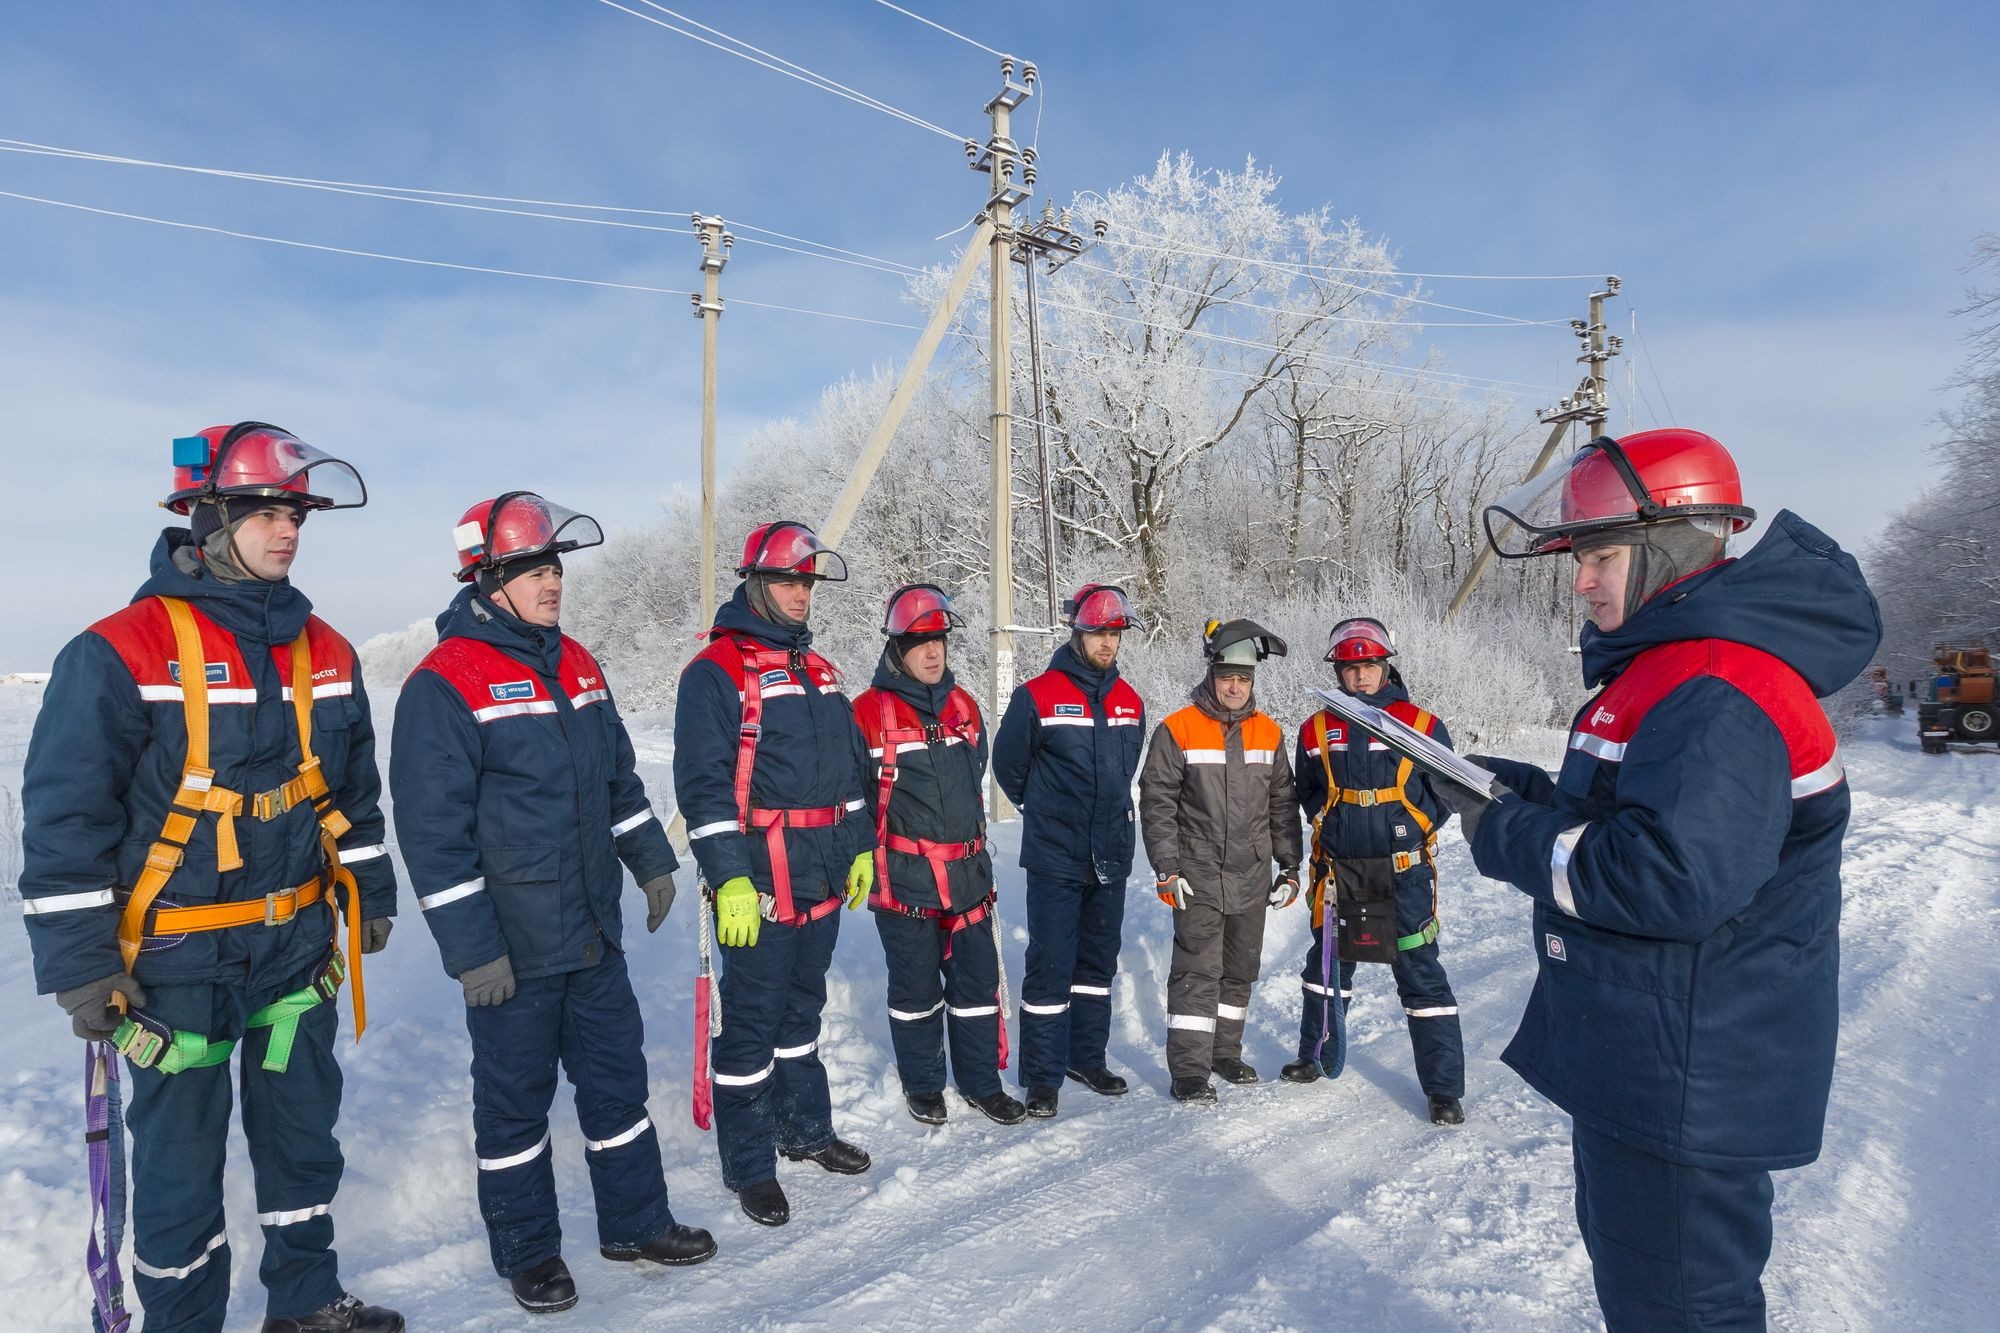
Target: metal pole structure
(1042, 446)
(715, 246)
(999, 160)
(1588, 405)
(835, 528)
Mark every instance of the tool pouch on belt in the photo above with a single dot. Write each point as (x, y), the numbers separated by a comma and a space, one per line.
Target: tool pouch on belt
(1365, 899)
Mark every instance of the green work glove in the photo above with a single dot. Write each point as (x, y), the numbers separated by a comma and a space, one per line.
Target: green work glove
(736, 914)
(860, 879)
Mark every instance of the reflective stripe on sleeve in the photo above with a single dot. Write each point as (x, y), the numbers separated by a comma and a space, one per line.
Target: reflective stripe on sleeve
(66, 902)
(589, 697)
(1565, 847)
(452, 894)
(1613, 751)
(621, 1138)
(354, 856)
(626, 825)
(516, 1159)
(215, 1242)
(1824, 778)
(710, 830)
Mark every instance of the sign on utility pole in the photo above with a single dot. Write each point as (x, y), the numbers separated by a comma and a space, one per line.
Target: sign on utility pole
(715, 246)
(1590, 404)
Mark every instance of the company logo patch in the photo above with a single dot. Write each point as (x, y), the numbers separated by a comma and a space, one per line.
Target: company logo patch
(778, 677)
(585, 682)
(1603, 717)
(1069, 710)
(1556, 949)
(1125, 712)
(513, 689)
(215, 673)
(1402, 832)
(330, 673)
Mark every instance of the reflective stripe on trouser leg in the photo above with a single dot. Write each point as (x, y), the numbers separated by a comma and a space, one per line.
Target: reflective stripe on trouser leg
(1193, 986)
(973, 1017)
(604, 1054)
(1671, 1246)
(1053, 908)
(288, 1124)
(1242, 952)
(913, 949)
(516, 1048)
(1100, 925)
(180, 1135)
(1432, 1012)
(805, 1104)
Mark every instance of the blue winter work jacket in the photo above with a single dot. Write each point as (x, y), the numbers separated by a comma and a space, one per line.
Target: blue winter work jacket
(1685, 864)
(809, 756)
(1066, 753)
(110, 746)
(516, 796)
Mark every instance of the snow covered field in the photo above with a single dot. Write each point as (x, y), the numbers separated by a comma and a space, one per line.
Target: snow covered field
(1333, 1204)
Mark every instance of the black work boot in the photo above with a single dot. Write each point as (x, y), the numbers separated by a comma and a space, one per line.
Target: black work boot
(346, 1315)
(1193, 1089)
(839, 1157)
(1100, 1080)
(1234, 1070)
(545, 1288)
(1041, 1101)
(1446, 1111)
(926, 1107)
(677, 1245)
(1301, 1071)
(766, 1203)
(1000, 1108)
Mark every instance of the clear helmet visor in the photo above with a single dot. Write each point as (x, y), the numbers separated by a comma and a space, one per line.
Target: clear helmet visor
(273, 464)
(920, 610)
(791, 548)
(1588, 493)
(526, 525)
(1101, 609)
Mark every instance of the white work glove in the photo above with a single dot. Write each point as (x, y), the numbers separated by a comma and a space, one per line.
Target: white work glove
(1284, 889)
(1173, 891)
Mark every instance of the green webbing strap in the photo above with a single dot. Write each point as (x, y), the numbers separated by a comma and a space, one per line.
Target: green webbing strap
(1421, 938)
(185, 1050)
(282, 1014)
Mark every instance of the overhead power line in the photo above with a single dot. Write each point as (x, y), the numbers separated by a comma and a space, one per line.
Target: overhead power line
(777, 64)
(928, 23)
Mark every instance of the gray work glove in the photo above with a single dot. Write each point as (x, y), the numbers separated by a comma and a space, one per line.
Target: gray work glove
(1284, 889)
(659, 892)
(489, 983)
(91, 1014)
(375, 933)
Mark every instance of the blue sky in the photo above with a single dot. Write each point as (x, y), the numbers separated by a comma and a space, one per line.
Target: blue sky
(1788, 190)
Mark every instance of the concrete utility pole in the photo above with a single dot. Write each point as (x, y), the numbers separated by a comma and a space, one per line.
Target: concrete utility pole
(1588, 404)
(998, 159)
(715, 247)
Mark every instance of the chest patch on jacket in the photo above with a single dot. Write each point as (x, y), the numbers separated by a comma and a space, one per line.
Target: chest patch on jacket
(216, 673)
(1556, 949)
(1069, 710)
(513, 689)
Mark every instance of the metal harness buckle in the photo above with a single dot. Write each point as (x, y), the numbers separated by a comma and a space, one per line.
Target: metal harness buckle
(291, 897)
(1364, 798)
(268, 805)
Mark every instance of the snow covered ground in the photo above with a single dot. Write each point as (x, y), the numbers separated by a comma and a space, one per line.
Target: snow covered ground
(1285, 1207)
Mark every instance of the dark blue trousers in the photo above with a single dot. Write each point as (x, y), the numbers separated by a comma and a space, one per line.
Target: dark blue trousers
(1428, 1005)
(770, 1087)
(930, 994)
(180, 1137)
(1671, 1247)
(587, 1020)
(1073, 939)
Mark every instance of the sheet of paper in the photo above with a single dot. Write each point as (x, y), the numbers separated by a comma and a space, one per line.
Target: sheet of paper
(1433, 758)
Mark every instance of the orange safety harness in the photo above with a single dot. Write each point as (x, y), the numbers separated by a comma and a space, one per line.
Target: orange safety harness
(199, 794)
(1322, 862)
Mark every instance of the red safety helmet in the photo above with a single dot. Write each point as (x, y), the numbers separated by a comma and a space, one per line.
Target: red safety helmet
(515, 526)
(254, 458)
(1649, 477)
(790, 550)
(919, 608)
(1096, 607)
(1360, 639)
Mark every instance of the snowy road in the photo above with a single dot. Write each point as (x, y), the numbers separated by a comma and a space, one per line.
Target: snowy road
(1284, 1207)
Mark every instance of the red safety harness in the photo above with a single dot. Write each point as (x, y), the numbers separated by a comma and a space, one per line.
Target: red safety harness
(900, 726)
(750, 664)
